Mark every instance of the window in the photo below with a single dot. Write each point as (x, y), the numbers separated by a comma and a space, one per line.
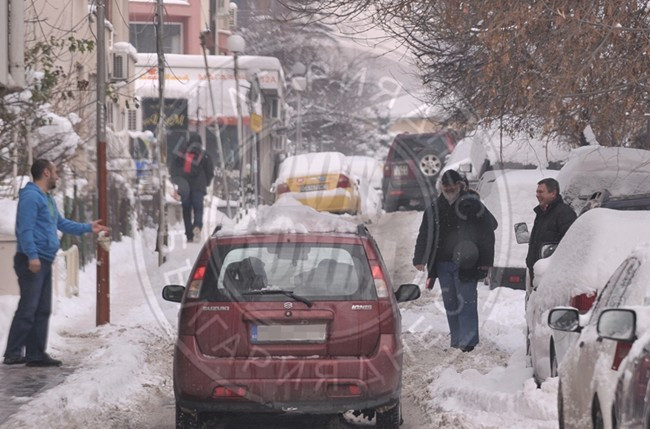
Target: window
(143, 37)
(326, 272)
(613, 294)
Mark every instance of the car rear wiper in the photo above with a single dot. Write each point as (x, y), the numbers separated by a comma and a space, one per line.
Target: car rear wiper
(288, 293)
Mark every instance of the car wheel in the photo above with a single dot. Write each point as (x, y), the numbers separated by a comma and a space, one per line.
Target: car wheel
(560, 406)
(430, 163)
(390, 419)
(186, 420)
(390, 205)
(553, 360)
(597, 414)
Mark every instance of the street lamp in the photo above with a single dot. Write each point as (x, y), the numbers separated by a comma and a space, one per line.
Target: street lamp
(236, 45)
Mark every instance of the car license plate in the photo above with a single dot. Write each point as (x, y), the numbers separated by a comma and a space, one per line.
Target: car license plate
(288, 333)
(317, 187)
(400, 170)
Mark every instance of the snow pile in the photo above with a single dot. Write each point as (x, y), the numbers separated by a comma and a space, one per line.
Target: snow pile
(524, 147)
(622, 171)
(289, 216)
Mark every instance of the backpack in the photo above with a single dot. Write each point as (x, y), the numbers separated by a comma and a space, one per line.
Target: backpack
(192, 163)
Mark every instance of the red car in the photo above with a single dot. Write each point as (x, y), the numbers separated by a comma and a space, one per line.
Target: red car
(288, 323)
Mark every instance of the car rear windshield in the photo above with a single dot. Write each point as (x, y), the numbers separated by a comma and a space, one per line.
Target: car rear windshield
(409, 147)
(325, 272)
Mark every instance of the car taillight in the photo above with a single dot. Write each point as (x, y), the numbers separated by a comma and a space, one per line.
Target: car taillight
(380, 282)
(229, 392)
(514, 279)
(344, 181)
(583, 302)
(282, 188)
(197, 279)
(622, 349)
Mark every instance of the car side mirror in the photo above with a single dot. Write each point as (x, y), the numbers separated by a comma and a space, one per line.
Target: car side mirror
(465, 168)
(407, 292)
(521, 233)
(173, 293)
(617, 324)
(564, 319)
(547, 250)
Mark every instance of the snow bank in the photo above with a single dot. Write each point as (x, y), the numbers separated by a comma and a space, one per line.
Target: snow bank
(290, 216)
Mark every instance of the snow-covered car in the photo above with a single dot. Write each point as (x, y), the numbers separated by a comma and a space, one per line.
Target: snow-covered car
(369, 173)
(470, 159)
(510, 196)
(631, 408)
(592, 365)
(590, 169)
(573, 275)
(604, 198)
(300, 319)
(321, 180)
(412, 167)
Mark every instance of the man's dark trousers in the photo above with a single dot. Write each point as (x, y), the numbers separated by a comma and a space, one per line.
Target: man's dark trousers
(30, 324)
(460, 300)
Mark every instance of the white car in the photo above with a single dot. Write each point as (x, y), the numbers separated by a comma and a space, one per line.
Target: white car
(589, 253)
(591, 368)
(510, 197)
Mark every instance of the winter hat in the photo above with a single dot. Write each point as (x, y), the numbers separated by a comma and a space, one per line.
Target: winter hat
(451, 177)
(195, 138)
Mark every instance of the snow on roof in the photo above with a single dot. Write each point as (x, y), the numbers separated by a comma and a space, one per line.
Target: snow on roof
(313, 164)
(510, 197)
(522, 148)
(622, 171)
(588, 255)
(289, 216)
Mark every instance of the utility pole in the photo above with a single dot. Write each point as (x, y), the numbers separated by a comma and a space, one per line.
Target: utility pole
(103, 286)
(160, 136)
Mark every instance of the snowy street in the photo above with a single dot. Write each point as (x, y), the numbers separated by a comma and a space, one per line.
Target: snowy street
(120, 376)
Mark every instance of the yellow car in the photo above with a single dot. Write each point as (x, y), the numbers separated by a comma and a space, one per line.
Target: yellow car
(320, 180)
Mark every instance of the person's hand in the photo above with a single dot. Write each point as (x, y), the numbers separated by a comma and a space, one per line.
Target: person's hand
(34, 265)
(419, 267)
(98, 227)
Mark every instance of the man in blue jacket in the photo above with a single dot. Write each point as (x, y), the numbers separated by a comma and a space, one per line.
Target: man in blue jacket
(37, 221)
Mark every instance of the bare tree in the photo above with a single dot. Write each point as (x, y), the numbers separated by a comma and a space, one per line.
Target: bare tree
(561, 64)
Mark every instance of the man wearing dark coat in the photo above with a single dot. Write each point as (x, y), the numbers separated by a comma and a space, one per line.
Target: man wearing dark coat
(552, 220)
(456, 245)
(192, 171)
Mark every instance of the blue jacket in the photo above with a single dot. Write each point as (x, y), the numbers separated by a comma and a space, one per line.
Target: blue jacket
(37, 220)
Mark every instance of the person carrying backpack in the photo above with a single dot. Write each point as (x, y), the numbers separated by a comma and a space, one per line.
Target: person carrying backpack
(192, 171)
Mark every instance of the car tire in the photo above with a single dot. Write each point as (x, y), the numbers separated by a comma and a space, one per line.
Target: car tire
(186, 420)
(560, 406)
(391, 205)
(553, 360)
(597, 414)
(390, 419)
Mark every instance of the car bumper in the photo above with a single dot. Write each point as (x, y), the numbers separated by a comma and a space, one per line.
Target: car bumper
(510, 277)
(308, 385)
(410, 192)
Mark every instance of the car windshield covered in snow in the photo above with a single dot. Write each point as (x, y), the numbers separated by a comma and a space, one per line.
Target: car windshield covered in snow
(252, 271)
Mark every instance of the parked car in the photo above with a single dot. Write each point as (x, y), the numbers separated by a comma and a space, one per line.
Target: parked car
(574, 274)
(590, 169)
(592, 366)
(412, 167)
(282, 322)
(604, 198)
(469, 157)
(510, 196)
(321, 180)
(631, 409)
(369, 172)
